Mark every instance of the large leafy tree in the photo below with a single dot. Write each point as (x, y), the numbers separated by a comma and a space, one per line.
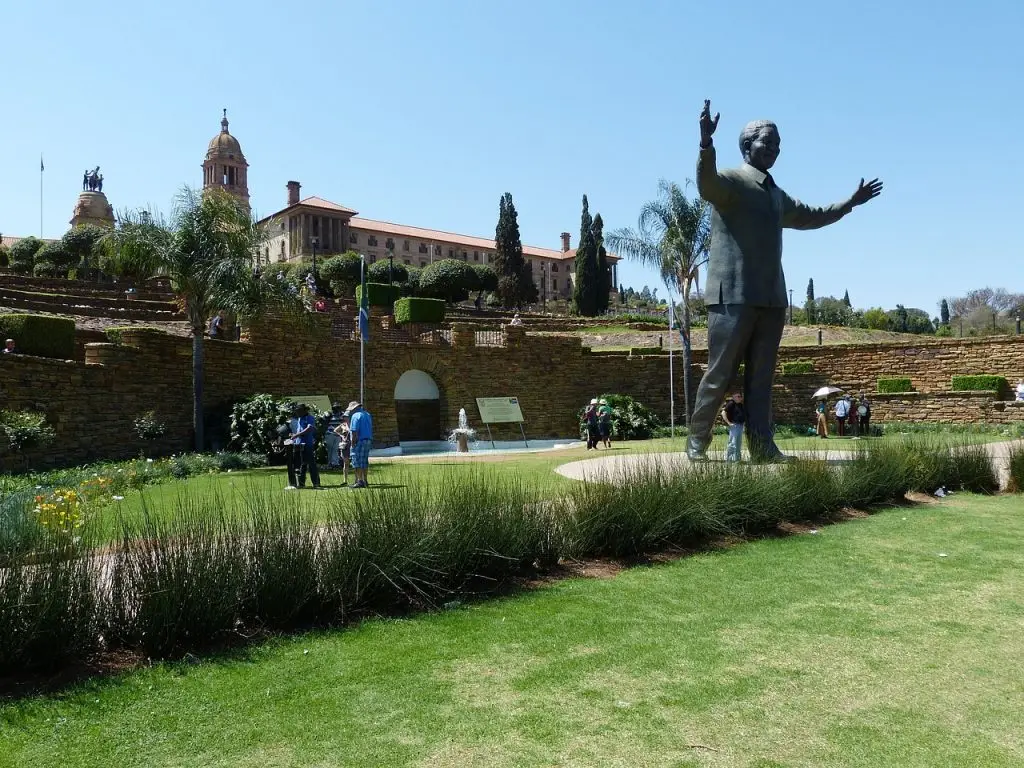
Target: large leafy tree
(515, 286)
(585, 288)
(673, 235)
(206, 251)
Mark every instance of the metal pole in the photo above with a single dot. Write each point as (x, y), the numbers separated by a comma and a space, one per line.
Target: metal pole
(40, 197)
(671, 378)
(790, 306)
(362, 343)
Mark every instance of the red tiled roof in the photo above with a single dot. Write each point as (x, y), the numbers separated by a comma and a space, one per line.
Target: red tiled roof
(440, 236)
(313, 202)
(9, 241)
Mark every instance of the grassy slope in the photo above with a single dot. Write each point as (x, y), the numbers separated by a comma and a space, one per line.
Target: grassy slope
(858, 646)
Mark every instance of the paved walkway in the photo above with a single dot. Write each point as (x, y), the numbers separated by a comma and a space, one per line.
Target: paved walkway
(617, 466)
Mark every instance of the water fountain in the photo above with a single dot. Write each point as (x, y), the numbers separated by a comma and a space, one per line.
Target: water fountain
(462, 434)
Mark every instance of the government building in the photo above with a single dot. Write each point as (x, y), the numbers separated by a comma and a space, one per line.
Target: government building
(313, 223)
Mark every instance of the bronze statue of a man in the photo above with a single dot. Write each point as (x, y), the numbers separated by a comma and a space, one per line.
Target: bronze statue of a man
(745, 286)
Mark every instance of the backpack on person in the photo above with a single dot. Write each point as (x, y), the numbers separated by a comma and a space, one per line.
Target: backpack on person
(842, 409)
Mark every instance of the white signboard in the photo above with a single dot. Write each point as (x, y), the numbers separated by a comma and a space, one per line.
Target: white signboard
(499, 410)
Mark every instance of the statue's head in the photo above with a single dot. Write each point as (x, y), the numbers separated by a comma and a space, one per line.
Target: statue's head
(759, 144)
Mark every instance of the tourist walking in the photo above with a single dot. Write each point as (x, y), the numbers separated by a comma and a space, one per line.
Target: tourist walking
(306, 435)
(863, 415)
(216, 322)
(590, 424)
(604, 423)
(842, 412)
(361, 427)
(344, 446)
(822, 427)
(292, 447)
(735, 416)
(332, 438)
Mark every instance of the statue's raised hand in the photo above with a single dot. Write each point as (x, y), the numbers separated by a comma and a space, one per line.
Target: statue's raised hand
(866, 192)
(708, 124)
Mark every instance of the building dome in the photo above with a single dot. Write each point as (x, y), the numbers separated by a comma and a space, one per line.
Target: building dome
(224, 145)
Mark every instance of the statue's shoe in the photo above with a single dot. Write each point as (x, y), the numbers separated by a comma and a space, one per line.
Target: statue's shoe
(694, 454)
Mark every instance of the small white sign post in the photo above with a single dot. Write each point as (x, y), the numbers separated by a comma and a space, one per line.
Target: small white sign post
(501, 410)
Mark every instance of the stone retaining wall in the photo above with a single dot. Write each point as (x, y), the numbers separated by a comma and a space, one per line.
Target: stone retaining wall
(92, 404)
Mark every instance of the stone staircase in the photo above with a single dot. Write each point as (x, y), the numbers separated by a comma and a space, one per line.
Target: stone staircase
(85, 299)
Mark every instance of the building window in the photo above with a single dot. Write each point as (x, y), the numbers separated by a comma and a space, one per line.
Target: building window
(405, 246)
(423, 262)
(371, 241)
(407, 262)
(437, 250)
(353, 238)
(451, 253)
(423, 247)
(463, 255)
(554, 284)
(490, 257)
(390, 244)
(554, 267)
(476, 255)
(373, 258)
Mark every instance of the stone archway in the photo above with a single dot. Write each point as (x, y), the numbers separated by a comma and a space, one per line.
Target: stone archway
(417, 407)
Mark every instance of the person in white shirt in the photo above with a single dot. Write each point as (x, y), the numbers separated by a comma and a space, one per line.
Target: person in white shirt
(1020, 389)
(842, 411)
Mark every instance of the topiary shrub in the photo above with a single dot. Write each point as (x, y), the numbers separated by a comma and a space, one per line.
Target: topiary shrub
(23, 254)
(40, 335)
(411, 310)
(48, 269)
(980, 383)
(411, 286)
(378, 294)
(341, 273)
(448, 279)
(53, 260)
(797, 366)
(894, 384)
(390, 274)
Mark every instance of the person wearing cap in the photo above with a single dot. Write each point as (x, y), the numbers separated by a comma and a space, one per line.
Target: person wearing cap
(604, 422)
(332, 438)
(305, 434)
(590, 424)
(361, 426)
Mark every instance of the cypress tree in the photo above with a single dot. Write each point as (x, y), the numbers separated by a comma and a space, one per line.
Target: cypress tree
(585, 267)
(846, 299)
(604, 269)
(509, 262)
(809, 304)
(944, 312)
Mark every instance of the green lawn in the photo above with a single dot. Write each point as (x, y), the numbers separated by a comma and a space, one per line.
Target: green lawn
(536, 469)
(891, 640)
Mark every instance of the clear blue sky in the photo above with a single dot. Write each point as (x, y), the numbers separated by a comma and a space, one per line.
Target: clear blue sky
(424, 113)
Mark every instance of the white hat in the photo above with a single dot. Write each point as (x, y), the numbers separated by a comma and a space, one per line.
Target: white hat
(594, 401)
(603, 401)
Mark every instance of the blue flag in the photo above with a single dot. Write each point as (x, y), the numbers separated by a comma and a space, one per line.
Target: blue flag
(364, 305)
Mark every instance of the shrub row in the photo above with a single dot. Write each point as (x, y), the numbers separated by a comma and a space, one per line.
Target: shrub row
(895, 384)
(980, 383)
(378, 294)
(206, 575)
(415, 310)
(40, 335)
(797, 366)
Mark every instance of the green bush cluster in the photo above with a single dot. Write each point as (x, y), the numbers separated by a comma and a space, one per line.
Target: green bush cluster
(379, 294)
(25, 430)
(415, 310)
(631, 419)
(23, 253)
(182, 582)
(40, 335)
(980, 383)
(895, 384)
(797, 366)
(255, 423)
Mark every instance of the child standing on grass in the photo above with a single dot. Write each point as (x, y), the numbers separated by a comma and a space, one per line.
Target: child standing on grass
(735, 416)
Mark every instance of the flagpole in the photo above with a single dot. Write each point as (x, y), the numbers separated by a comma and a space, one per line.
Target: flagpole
(362, 354)
(40, 195)
(671, 378)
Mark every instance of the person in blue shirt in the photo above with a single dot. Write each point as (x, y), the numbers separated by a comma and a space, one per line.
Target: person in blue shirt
(361, 426)
(305, 432)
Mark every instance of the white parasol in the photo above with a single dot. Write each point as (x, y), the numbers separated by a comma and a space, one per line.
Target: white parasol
(825, 392)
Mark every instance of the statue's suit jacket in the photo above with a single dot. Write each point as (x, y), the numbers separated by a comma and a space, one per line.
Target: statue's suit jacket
(749, 213)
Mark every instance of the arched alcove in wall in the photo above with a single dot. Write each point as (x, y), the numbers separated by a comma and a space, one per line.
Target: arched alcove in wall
(417, 407)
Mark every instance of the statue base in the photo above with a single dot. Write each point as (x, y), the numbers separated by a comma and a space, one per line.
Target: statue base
(93, 208)
(463, 443)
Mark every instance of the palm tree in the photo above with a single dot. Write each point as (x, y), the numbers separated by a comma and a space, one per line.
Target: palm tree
(673, 235)
(206, 252)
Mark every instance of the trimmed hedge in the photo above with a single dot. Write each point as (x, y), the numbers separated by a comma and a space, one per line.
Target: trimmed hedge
(895, 384)
(40, 335)
(379, 294)
(797, 366)
(412, 310)
(116, 334)
(980, 383)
